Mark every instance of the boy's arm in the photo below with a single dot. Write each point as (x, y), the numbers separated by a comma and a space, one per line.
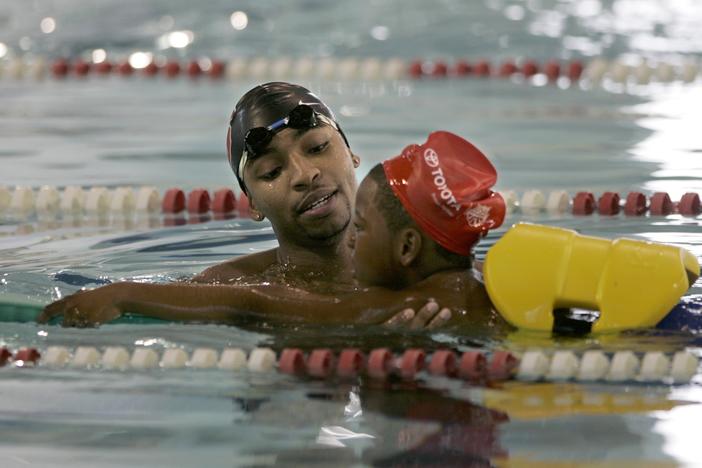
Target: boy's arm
(174, 301)
(231, 304)
(228, 272)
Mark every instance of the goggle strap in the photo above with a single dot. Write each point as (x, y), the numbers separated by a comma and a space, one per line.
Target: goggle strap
(280, 123)
(242, 163)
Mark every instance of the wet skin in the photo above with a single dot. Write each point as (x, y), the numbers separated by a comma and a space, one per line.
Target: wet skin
(305, 185)
(375, 256)
(417, 273)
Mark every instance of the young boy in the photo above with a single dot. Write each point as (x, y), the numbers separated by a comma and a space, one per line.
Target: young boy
(417, 217)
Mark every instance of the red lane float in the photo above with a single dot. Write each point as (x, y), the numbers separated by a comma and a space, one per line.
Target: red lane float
(608, 204)
(320, 363)
(59, 68)
(217, 69)
(635, 204)
(151, 69)
(194, 70)
(224, 201)
(583, 203)
(575, 70)
(443, 362)
(380, 363)
(435, 69)
(530, 68)
(351, 363)
(125, 69)
(482, 69)
(292, 361)
(28, 356)
(552, 70)
(507, 69)
(462, 68)
(415, 69)
(198, 201)
(172, 69)
(5, 356)
(81, 68)
(473, 366)
(104, 68)
(503, 365)
(411, 363)
(173, 201)
(690, 205)
(661, 205)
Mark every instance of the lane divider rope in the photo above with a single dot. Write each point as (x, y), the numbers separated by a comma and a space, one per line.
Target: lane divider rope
(23, 202)
(381, 363)
(125, 208)
(607, 204)
(596, 71)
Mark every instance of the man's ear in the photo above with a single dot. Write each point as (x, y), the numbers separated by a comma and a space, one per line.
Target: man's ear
(253, 212)
(408, 246)
(356, 160)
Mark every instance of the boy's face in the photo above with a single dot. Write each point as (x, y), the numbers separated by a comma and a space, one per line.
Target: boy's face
(372, 241)
(304, 184)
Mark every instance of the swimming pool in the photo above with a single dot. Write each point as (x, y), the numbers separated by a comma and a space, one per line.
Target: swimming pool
(167, 133)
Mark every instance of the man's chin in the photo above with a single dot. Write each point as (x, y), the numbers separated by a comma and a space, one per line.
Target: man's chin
(329, 232)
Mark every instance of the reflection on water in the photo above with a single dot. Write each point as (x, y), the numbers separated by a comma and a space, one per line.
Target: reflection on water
(674, 143)
(288, 421)
(488, 28)
(117, 132)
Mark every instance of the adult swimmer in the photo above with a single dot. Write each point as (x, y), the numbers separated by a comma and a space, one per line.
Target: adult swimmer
(417, 217)
(295, 164)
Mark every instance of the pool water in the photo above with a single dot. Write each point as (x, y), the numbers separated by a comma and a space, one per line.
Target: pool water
(116, 132)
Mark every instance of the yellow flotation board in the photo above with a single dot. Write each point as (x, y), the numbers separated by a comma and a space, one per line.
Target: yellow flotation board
(534, 269)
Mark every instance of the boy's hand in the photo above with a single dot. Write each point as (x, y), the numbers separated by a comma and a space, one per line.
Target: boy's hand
(84, 308)
(428, 317)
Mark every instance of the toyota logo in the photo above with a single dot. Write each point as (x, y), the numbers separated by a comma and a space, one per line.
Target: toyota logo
(431, 157)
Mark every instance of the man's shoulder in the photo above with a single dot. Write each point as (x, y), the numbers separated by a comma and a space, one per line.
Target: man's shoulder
(247, 265)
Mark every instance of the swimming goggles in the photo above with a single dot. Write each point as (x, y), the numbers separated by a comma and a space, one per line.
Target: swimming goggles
(301, 117)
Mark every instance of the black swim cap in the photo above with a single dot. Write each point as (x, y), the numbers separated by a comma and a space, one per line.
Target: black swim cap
(262, 106)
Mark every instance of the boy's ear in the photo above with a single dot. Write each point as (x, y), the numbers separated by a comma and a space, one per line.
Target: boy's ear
(408, 246)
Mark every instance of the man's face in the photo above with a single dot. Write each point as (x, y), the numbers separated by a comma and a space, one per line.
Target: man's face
(304, 183)
(372, 241)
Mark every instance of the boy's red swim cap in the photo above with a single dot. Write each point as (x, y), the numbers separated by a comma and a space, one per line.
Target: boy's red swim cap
(444, 185)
